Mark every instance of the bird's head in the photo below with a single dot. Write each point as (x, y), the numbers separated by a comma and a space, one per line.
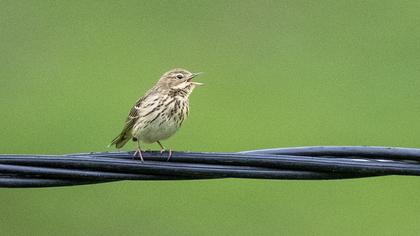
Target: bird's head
(178, 79)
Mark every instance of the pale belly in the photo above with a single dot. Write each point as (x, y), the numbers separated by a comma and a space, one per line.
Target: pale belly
(159, 129)
(151, 128)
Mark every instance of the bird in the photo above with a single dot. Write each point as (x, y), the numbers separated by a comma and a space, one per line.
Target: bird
(160, 112)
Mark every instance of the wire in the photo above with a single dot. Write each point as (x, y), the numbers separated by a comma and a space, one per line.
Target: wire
(305, 163)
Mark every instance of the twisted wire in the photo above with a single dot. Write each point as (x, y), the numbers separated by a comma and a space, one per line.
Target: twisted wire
(305, 163)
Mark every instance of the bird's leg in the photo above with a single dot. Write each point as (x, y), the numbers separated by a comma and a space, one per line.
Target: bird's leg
(162, 149)
(138, 152)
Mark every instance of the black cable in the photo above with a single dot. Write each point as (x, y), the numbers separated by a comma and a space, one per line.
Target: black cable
(283, 163)
(395, 153)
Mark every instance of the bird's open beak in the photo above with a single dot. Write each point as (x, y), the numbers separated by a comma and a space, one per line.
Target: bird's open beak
(194, 75)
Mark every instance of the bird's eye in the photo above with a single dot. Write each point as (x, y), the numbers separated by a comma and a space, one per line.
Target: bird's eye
(179, 76)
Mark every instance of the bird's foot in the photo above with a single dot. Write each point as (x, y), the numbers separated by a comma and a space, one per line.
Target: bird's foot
(169, 155)
(137, 153)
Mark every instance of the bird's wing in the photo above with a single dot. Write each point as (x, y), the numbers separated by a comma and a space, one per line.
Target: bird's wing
(132, 119)
(125, 134)
(133, 116)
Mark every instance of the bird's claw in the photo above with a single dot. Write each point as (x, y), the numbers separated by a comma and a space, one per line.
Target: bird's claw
(170, 153)
(138, 152)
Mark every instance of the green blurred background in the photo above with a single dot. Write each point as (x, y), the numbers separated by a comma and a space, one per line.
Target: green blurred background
(277, 74)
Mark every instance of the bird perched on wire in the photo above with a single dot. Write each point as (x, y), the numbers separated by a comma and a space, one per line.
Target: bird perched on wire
(160, 112)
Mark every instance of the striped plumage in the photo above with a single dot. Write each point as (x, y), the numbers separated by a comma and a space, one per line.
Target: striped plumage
(161, 111)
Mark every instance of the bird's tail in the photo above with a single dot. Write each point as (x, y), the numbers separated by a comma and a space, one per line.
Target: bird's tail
(120, 140)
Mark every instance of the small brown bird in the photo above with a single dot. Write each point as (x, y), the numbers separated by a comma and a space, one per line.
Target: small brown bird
(160, 112)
